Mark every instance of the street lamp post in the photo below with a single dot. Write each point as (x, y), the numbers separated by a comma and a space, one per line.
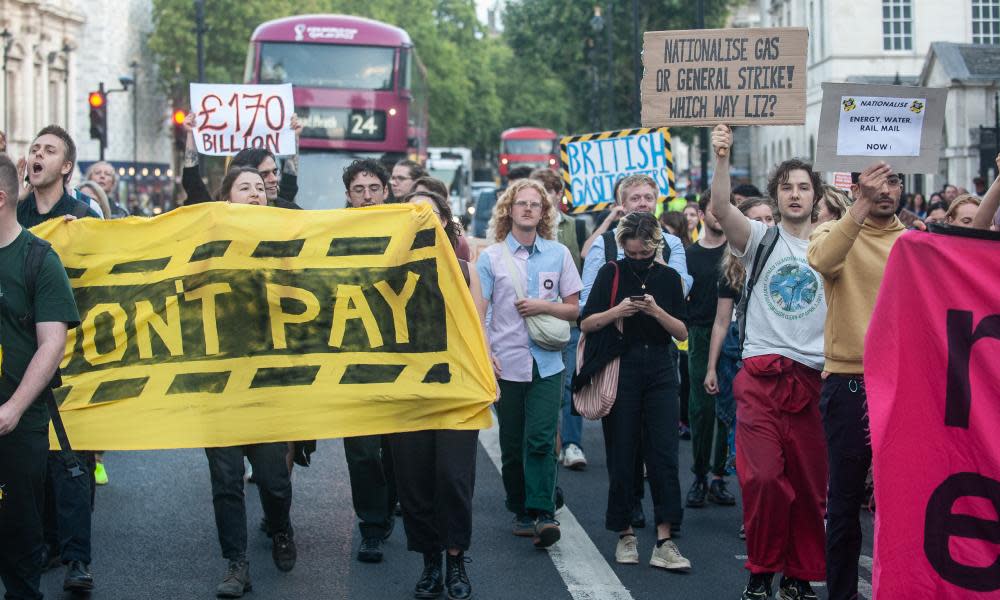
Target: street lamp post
(135, 114)
(636, 65)
(8, 41)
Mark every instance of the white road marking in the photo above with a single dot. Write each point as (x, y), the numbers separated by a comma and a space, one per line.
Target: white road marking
(865, 562)
(582, 567)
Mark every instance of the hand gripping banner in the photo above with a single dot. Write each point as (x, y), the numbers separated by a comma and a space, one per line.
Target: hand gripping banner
(222, 324)
(933, 381)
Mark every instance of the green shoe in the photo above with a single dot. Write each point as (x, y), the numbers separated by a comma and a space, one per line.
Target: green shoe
(100, 475)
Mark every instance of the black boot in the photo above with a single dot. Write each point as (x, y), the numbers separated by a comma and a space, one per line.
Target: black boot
(430, 585)
(457, 581)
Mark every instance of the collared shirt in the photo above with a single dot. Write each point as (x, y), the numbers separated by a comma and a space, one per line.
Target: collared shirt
(546, 271)
(28, 215)
(595, 260)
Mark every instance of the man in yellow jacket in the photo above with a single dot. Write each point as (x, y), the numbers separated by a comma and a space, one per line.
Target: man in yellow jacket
(851, 254)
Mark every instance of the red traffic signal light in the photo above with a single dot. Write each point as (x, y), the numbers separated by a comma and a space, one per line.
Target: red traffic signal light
(180, 134)
(96, 99)
(98, 102)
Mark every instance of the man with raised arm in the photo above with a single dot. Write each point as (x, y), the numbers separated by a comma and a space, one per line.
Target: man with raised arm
(780, 454)
(851, 254)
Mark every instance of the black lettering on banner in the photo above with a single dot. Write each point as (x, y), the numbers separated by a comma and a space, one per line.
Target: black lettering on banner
(225, 314)
(941, 525)
(961, 338)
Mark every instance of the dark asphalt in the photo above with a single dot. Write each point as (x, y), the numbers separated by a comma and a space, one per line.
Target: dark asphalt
(154, 537)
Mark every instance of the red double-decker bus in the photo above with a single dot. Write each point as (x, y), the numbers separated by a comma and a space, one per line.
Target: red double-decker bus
(360, 92)
(528, 147)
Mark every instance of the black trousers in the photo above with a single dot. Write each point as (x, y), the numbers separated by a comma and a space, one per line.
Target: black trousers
(373, 485)
(643, 420)
(274, 485)
(22, 488)
(435, 478)
(844, 406)
(69, 503)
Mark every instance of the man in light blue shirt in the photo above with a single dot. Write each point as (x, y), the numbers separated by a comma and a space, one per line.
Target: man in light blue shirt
(636, 193)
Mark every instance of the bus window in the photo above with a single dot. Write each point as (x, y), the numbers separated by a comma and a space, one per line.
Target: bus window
(528, 146)
(328, 66)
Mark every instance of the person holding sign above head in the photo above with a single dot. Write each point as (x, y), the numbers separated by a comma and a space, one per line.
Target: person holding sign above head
(780, 454)
(646, 298)
(436, 469)
(530, 282)
(244, 185)
(369, 458)
(278, 184)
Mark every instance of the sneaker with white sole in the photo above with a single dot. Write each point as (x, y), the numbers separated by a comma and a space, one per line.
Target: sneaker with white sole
(627, 551)
(573, 458)
(669, 557)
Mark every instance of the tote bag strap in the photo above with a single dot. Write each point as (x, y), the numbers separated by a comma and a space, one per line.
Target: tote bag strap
(508, 259)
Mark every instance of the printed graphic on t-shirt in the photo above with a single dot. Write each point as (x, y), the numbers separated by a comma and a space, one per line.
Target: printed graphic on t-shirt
(793, 289)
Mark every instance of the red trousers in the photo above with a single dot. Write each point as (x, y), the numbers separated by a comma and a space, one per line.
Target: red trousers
(781, 462)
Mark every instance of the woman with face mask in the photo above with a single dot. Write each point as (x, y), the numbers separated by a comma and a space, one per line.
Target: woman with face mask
(648, 298)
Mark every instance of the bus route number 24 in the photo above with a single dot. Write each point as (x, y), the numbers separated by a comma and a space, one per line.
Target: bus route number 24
(363, 126)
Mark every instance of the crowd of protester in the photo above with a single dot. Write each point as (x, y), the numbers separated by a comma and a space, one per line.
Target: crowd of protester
(737, 321)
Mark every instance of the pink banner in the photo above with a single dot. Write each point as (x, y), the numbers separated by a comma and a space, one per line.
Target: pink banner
(932, 373)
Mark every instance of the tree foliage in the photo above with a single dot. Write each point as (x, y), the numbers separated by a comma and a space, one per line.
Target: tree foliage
(540, 72)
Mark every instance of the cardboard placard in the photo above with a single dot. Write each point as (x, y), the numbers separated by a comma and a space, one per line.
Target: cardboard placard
(860, 124)
(732, 76)
(842, 180)
(230, 118)
(593, 162)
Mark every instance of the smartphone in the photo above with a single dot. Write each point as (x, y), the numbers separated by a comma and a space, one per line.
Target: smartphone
(908, 217)
(636, 298)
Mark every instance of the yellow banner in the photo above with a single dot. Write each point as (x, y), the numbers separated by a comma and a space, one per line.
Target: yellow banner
(222, 324)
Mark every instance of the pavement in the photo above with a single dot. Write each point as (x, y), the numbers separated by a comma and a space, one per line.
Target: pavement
(154, 538)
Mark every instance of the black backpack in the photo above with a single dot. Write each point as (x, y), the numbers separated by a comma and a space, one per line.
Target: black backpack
(37, 250)
(764, 250)
(611, 247)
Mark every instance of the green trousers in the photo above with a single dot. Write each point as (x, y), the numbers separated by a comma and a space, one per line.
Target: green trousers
(701, 409)
(528, 413)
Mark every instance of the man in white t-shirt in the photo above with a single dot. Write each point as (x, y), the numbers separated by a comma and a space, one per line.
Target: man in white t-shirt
(780, 449)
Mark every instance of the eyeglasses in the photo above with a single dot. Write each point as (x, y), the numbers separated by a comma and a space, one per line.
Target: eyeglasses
(894, 181)
(523, 204)
(374, 189)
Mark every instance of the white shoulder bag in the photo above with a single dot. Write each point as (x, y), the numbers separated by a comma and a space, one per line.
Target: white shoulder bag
(549, 332)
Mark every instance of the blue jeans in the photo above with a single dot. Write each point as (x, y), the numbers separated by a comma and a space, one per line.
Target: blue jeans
(571, 428)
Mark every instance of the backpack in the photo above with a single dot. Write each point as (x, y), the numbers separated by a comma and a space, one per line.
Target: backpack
(611, 247)
(37, 250)
(764, 250)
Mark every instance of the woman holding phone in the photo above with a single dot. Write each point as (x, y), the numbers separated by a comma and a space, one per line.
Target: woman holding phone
(648, 297)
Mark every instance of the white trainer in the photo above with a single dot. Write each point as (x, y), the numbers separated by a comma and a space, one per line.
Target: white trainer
(573, 458)
(627, 551)
(669, 557)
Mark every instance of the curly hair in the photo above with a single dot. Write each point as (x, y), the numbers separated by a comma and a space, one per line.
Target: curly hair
(501, 222)
(780, 176)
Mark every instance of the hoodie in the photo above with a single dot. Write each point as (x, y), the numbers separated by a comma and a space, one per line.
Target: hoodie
(851, 258)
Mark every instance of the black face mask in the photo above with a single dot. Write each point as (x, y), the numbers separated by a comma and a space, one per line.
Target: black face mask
(639, 265)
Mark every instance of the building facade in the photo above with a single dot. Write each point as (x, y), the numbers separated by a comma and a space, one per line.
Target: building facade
(872, 41)
(58, 52)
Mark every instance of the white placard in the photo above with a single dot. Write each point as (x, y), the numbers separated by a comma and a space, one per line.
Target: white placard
(873, 126)
(229, 118)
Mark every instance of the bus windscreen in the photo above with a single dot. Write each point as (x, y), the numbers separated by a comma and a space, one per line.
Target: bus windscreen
(528, 146)
(327, 66)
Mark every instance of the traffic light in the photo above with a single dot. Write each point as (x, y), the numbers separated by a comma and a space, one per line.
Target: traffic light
(98, 116)
(180, 134)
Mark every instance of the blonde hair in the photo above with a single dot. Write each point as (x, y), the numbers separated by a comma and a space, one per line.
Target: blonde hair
(99, 196)
(959, 201)
(501, 221)
(641, 226)
(631, 181)
(836, 200)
